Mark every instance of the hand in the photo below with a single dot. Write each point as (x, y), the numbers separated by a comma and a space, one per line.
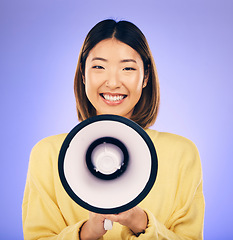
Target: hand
(135, 219)
(93, 228)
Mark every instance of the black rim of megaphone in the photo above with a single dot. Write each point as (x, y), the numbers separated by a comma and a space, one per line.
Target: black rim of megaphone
(141, 195)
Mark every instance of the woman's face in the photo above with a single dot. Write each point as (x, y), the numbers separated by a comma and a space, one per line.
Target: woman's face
(114, 78)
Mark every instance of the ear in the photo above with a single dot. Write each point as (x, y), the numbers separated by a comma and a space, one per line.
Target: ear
(83, 77)
(145, 80)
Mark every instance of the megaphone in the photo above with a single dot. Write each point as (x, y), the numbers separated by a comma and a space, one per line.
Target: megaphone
(107, 164)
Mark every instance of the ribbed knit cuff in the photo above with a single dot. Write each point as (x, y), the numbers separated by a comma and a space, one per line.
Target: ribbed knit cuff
(149, 233)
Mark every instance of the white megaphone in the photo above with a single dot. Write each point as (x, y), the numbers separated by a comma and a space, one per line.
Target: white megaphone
(107, 164)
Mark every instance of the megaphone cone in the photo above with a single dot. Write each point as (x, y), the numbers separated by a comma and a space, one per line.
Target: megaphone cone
(107, 164)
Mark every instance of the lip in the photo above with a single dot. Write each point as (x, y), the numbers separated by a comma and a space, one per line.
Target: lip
(112, 96)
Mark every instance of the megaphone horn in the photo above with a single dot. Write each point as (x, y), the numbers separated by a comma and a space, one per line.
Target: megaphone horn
(107, 164)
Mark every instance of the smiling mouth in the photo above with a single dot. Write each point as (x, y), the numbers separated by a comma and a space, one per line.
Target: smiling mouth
(113, 98)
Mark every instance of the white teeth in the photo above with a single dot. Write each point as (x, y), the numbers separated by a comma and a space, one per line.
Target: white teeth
(113, 98)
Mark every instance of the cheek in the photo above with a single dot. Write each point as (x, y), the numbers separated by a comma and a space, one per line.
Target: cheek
(137, 84)
(90, 89)
(90, 83)
(94, 79)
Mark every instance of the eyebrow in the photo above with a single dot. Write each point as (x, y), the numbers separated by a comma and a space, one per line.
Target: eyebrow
(99, 58)
(105, 60)
(128, 60)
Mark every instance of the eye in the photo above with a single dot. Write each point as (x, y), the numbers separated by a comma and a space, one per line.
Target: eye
(129, 69)
(98, 67)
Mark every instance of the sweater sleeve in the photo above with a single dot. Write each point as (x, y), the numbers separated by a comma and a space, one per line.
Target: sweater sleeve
(186, 227)
(42, 217)
(186, 219)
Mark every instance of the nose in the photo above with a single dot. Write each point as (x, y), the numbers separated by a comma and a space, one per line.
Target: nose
(113, 81)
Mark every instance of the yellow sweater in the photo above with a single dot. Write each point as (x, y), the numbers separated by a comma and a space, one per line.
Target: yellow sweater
(175, 205)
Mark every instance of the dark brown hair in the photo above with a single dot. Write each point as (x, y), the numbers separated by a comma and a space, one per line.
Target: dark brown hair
(146, 110)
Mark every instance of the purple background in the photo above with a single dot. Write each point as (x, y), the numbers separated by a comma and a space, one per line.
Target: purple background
(192, 45)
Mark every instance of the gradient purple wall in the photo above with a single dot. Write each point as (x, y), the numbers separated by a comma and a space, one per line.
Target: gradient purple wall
(192, 46)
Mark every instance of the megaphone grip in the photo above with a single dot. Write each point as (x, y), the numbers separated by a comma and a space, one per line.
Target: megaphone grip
(108, 224)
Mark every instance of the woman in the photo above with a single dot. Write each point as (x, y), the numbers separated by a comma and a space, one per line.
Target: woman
(116, 74)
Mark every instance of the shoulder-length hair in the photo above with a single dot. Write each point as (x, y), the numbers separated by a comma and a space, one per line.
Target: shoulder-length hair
(146, 110)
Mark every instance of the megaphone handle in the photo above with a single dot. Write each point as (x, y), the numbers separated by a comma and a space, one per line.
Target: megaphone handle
(108, 224)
